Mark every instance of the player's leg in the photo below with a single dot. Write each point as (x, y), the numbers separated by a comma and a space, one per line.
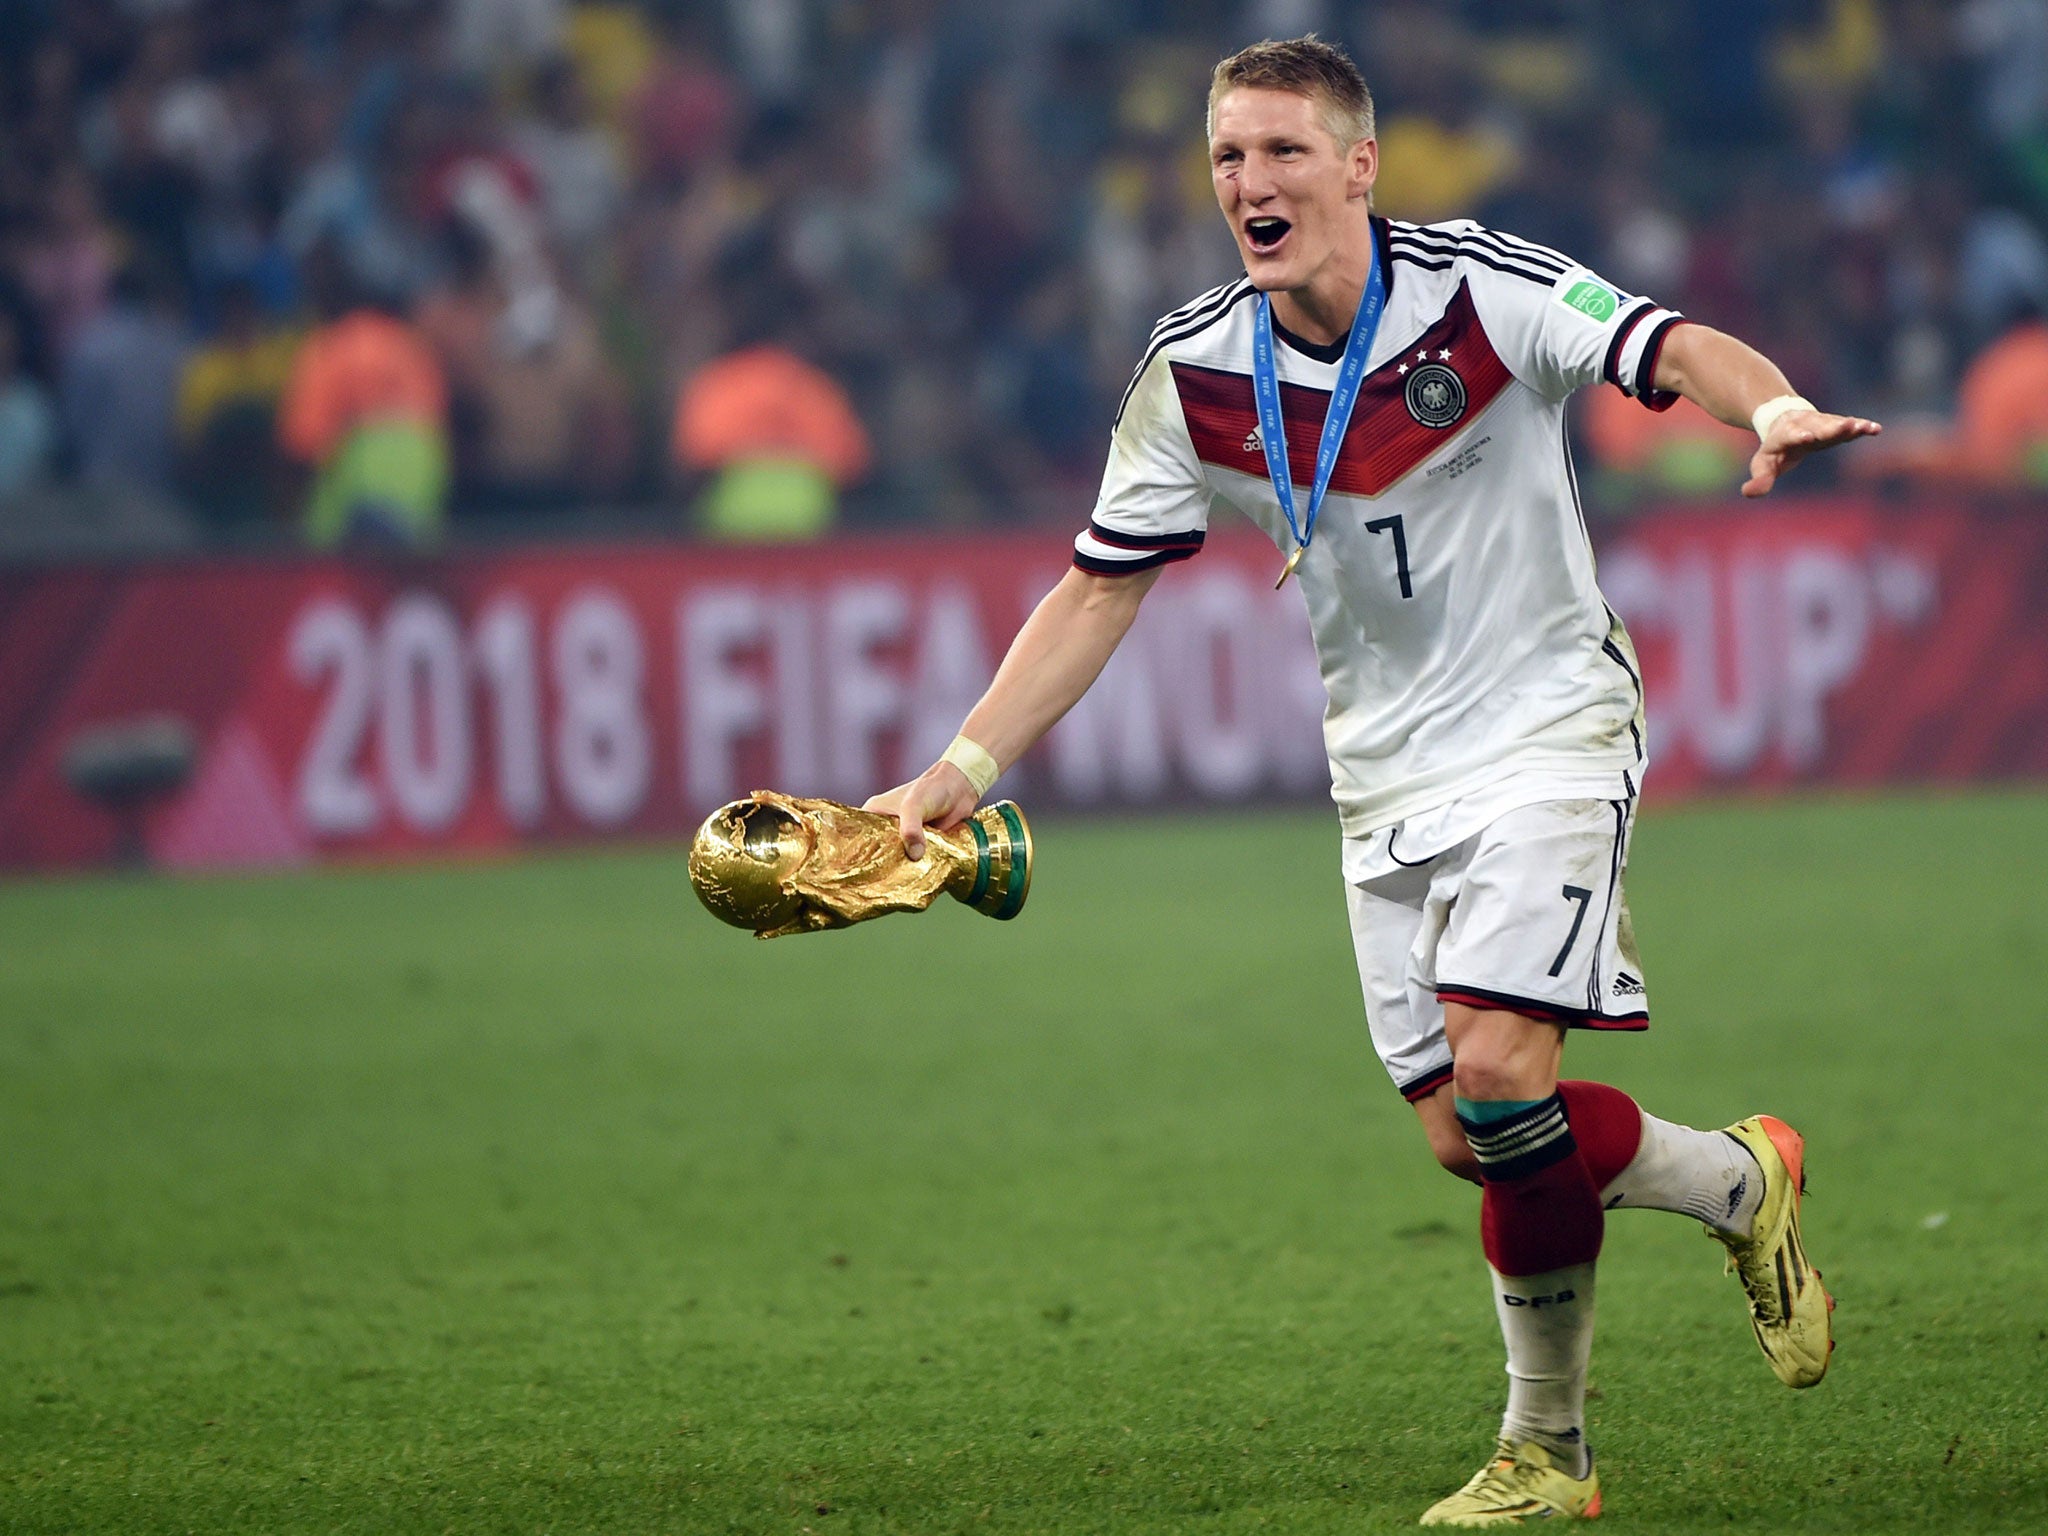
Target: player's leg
(1743, 1183)
(1638, 1161)
(1540, 1218)
(1513, 969)
(1397, 923)
(1541, 1226)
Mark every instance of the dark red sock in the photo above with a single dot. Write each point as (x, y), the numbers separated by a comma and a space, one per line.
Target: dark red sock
(1532, 1225)
(1541, 1208)
(1608, 1126)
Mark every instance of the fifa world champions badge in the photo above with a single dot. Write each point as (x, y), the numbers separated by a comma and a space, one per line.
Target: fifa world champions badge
(780, 864)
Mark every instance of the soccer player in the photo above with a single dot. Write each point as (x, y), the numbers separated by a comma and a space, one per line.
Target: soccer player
(1485, 725)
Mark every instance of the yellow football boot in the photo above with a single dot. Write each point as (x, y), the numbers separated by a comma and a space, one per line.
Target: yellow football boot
(1520, 1483)
(1788, 1308)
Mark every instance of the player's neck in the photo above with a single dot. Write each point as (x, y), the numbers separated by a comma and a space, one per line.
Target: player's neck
(1322, 309)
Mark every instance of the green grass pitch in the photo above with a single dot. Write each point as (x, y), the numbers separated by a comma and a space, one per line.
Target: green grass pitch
(526, 1198)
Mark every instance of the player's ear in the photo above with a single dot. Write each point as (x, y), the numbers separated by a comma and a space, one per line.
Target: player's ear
(1365, 166)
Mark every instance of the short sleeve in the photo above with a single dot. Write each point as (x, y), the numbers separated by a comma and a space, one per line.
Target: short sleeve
(1154, 505)
(1574, 328)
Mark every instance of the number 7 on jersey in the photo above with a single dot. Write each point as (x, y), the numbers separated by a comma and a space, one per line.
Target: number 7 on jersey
(1393, 525)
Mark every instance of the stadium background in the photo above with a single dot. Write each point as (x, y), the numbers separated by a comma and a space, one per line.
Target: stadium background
(514, 426)
(522, 309)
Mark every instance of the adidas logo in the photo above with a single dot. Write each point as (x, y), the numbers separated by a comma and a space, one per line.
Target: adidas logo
(1626, 985)
(1735, 1195)
(1253, 443)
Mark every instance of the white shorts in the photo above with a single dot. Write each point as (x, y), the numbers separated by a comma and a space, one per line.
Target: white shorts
(1526, 915)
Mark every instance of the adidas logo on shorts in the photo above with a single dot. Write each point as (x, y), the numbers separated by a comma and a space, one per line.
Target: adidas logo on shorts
(1626, 985)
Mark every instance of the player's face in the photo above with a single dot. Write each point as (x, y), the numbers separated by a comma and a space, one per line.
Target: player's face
(1290, 191)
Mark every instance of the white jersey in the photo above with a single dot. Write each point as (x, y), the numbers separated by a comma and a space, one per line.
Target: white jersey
(1470, 660)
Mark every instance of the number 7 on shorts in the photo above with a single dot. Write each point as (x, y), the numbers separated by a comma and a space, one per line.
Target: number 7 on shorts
(1584, 898)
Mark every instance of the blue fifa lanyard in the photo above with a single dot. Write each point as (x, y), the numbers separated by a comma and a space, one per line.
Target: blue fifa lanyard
(1273, 430)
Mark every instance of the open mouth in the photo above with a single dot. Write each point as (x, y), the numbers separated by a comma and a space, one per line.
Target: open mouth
(1264, 234)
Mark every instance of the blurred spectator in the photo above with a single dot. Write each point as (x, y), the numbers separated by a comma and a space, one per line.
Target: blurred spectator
(2003, 263)
(539, 415)
(1677, 452)
(120, 383)
(614, 49)
(2009, 40)
(1153, 242)
(500, 37)
(359, 202)
(1441, 153)
(68, 263)
(150, 196)
(227, 410)
(779, 438)
(686, 107)
(577, 161)
(1840, 52)
(1719, 53)
(1440, 167)
(28, 423)
(1000, 230)
(2002, 411)
(366, 409)
(979, 212)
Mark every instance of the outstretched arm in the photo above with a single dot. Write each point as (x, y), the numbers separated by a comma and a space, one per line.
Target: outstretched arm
(1058, 653)
(1729, 379)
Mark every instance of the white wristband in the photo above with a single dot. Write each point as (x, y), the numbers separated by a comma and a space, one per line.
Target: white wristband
(972, 759)
(1766, 415)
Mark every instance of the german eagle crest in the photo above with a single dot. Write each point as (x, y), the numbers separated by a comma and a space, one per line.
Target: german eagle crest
(1435, 396)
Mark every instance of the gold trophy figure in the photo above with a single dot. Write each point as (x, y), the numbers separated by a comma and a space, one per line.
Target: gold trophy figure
(780, 864)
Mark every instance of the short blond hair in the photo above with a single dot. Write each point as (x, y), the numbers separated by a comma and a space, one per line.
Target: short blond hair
(1309, 67)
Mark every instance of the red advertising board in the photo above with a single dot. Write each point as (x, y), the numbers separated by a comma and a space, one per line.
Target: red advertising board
(494, 699)
(1838, 643)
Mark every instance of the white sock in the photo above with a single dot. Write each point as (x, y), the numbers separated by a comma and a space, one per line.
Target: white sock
(1547, 1323)
(1707, 1175)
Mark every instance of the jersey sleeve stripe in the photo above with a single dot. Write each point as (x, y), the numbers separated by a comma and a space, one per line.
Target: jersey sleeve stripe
(1646, 368)
(1500, 240)
(1529, 250)
(1400, 252)
(1191, 539)
(1096, 565)
(1474, 248)
(1113, 552)
(1634, 367)
(1214, 298)
(1611, 369)
(1521, 250)
(1439, 244)
(1193, 327)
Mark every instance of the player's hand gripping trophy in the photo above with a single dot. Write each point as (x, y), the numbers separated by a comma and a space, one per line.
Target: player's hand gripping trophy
(780, 864)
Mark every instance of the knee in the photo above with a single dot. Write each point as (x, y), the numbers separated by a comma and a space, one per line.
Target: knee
(1499, 1055)
(1484, 1072)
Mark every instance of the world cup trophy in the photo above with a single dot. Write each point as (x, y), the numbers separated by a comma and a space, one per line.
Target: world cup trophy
(782, 864)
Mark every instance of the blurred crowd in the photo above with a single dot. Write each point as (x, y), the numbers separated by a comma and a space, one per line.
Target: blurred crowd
(369, 270)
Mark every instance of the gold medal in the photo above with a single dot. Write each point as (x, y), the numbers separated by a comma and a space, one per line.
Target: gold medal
(1287, 570)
